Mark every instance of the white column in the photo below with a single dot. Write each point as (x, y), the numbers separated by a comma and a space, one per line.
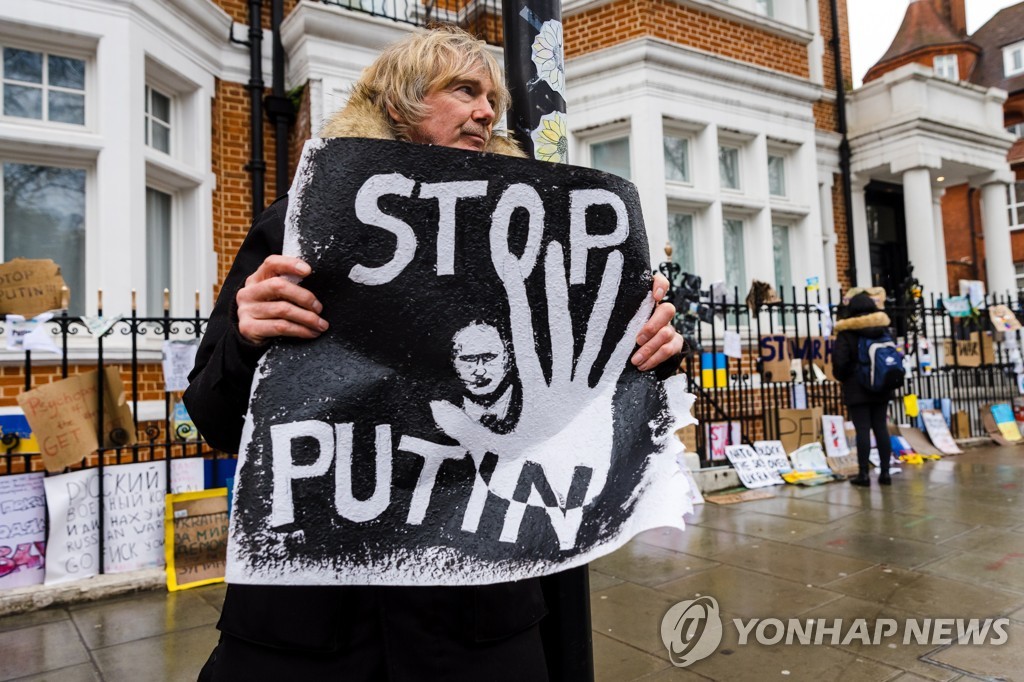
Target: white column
(648, 170)
(998, 252)
(828, 233)
(861, 247)
(711, 244)
(940, 241)
(759, 256)
(917, 204)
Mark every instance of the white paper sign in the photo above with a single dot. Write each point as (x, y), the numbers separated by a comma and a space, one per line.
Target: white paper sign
(133, 496)
(187, 475)
(133, 521)
(73, 551)
(22, 530)
(938, 431)
(30, 334)
(834, 431)
(732, 346)
(179, 358)
(809, 457)
(751, 467)
(774, 454)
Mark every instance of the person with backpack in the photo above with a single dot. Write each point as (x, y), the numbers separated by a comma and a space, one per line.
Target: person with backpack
(869, 365)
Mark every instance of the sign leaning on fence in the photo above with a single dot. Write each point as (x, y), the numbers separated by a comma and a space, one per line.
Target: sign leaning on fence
(508, 436)
(22, 530)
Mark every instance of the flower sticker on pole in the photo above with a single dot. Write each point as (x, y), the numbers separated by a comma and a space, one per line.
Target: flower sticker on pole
(550, 139)
(548, 56)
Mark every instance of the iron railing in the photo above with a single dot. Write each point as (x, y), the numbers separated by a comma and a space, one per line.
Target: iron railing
(481, 18)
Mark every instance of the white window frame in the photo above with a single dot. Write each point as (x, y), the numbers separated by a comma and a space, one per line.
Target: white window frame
(609, 133)
(738, 146)
(149, 118)
(688, 136)
(1013, 53)
(47, 48)
(1018, 269)
(694, 213)
(946, 66)
(742, 220)
(765, 8)
(784, 158)
(1015, 204)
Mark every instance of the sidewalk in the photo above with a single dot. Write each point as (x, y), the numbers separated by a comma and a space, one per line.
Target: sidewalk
(946, 540)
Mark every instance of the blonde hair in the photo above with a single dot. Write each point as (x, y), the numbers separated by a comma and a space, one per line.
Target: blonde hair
(407, 71)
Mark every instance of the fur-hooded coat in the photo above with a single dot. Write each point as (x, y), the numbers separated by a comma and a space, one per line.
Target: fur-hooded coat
(362, 118)
(864, 320)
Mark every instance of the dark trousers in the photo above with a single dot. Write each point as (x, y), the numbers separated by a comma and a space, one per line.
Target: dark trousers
(868, 418)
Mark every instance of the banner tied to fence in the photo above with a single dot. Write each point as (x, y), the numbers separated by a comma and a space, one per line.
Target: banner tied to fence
(471, 415)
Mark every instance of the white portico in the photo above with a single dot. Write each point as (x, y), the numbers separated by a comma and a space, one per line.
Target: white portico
(925, 133)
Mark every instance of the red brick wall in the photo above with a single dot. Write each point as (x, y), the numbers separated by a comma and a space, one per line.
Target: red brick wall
(12, 379)
(842, 244)
(623, 20)
(958, 205)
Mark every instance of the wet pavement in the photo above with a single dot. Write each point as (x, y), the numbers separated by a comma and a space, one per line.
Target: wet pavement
(946, 540)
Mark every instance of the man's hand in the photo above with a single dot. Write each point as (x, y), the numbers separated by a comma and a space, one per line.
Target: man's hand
(272, 304)
(658, 340)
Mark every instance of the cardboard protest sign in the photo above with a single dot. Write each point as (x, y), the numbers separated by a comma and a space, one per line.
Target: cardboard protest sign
(834, 429)
(795, 427)
(774, 454)
(196, 538)
(178, 359)
(751, 467)
(22, 530)
(817, 351)
(1003, 318)
(64, 417)
(845, 465)
(972, 352)
(776, 357)
(938, 431)
(1005, 422)
(29, 287)
(743, 496)
(509, 436)
(918, 442)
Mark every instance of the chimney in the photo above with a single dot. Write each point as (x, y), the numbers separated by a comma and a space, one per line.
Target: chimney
(955, 14)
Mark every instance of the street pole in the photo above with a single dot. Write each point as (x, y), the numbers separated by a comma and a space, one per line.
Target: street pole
(535, 68)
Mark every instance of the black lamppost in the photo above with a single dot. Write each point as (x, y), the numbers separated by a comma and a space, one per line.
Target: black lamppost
(535, 67)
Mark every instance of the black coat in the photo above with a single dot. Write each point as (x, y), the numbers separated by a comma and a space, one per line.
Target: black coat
(425, 624)
(845, 361)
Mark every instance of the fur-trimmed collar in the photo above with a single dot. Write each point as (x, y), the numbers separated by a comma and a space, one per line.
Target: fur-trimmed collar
(360, 118)
(879, 319)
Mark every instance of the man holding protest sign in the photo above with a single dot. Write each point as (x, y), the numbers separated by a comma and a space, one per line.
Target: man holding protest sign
(440, 88)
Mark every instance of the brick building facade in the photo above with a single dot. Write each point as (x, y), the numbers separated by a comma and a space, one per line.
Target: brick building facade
(125, 128)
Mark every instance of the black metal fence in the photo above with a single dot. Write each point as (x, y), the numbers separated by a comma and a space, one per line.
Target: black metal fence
(963, 359)
(481, 18)
(133, 344)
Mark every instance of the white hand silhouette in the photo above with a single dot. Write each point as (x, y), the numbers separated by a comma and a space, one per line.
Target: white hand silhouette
(565, 423)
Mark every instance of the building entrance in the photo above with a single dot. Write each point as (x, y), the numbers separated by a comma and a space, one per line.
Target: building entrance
(887, 235)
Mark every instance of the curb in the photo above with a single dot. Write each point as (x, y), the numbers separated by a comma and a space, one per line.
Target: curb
(36, 597)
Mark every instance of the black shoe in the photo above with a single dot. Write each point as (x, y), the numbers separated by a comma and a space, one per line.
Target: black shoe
(884, 479)
(862, 481)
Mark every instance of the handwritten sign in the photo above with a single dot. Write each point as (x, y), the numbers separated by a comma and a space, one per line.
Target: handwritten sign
(22, 530)
(1006, 422)
(133, 519)
(773, 453)
(29, 287)
(178, 359)
(64, 414)
(196, 538)
(187, 475)
(974, 352)
(795, 427)
(72, 500)
(809, 457)
(938, 431)
(817, 351)
(835, 435)
(751, 467)
(1003, 318)
(718, 435)
(776, 357)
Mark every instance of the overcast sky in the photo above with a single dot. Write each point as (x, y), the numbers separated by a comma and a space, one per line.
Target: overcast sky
(873, 25)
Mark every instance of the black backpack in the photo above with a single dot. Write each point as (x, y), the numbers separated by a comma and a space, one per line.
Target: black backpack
(879, 364)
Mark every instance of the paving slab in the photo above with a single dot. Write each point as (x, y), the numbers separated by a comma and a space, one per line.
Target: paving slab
(125, 620)
(649, 565)
(40, 649)
(172, 657)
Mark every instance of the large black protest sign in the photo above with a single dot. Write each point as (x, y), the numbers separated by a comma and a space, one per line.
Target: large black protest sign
(471, 415)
